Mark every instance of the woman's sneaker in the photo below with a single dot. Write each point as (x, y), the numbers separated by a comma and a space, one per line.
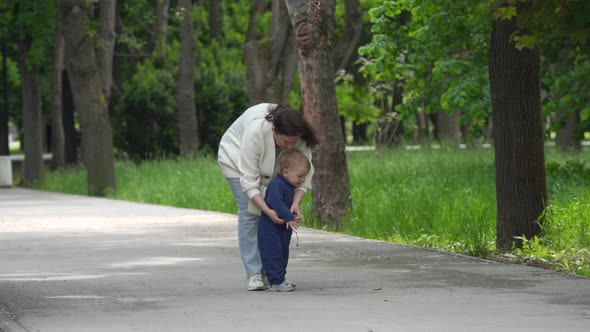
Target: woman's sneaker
(284, 287)
(255, 282)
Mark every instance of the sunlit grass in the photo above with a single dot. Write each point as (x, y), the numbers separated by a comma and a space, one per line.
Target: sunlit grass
(443, 199)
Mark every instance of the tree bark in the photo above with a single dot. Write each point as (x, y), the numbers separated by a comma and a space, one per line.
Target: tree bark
(185, 94)
(448, 129)
(159, 35)
(4, 145)
(71, 137)
(272, 61)
(521, 189)
(313, 21)
(84, 76)
(258, 7)
(106, 46)
(567, 121)
(422, 135)
(215, 23)
(566, 138)
(346, 49)
(57, 128)
(33, 171)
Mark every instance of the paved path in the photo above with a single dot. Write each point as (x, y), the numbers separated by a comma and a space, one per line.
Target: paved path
(71, 263)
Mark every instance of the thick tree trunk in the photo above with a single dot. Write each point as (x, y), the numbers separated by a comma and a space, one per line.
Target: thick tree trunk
(566, 139)
(106, 46)
(313, 22)
(57, 128)
(521, 189)
(215, 23)
(185, 94)
(91, 106)
(272, 61)
(32, 119)
(4, 146)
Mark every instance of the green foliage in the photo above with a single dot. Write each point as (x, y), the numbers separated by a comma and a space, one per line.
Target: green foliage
(34, 20)
(440, 51)
(221, 92)
(354, 101)
(145, 119)
(567, 84)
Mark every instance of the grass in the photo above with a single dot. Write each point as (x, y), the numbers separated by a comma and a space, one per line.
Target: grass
(443, 199)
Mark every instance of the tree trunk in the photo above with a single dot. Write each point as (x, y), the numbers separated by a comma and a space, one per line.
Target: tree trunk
(57, 128)
(4, 145)
(256, 10)
(359, 132)
(185, 94)
(32, 118)
(272, 62)
(566, 139)
(215, 23)
(313, 21)
(521, 189)
(106, 46)
(448, 129)
(423, 130)
(346, 49)
(91, 106)
(158, 38)
(71, 137)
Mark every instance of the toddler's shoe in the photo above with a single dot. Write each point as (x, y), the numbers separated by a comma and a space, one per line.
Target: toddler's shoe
(284, 287)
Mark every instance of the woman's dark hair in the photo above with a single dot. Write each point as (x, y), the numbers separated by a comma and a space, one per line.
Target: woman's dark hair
(288, 121)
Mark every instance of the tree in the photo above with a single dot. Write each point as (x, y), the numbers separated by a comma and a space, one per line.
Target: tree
(33, 23)
(57, 127)
(4, 149)
(215, 22)
(158, 33)
(521, 189)
(32, 122)
(313, 22)
(271, 61)
(85, 81)
(106, 46)
(185, 95)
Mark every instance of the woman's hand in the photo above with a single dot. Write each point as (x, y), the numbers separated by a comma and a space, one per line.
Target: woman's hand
(274, 217)
(295, 210)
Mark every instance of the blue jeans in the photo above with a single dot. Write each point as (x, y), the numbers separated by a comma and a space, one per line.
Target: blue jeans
(247, 230)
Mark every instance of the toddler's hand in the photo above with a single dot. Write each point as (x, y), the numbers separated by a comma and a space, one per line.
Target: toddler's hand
(293, 224)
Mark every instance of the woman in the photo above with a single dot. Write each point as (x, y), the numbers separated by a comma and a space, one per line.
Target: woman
(247, 156)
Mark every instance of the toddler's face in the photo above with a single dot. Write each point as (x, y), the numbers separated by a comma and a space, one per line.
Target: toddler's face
(295, 175)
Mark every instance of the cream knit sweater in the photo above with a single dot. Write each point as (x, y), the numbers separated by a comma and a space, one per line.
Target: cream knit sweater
(247, 150)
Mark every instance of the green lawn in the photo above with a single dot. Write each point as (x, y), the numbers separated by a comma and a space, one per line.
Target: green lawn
(441, 198)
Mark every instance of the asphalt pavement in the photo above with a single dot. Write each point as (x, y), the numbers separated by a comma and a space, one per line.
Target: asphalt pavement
(73, 263)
